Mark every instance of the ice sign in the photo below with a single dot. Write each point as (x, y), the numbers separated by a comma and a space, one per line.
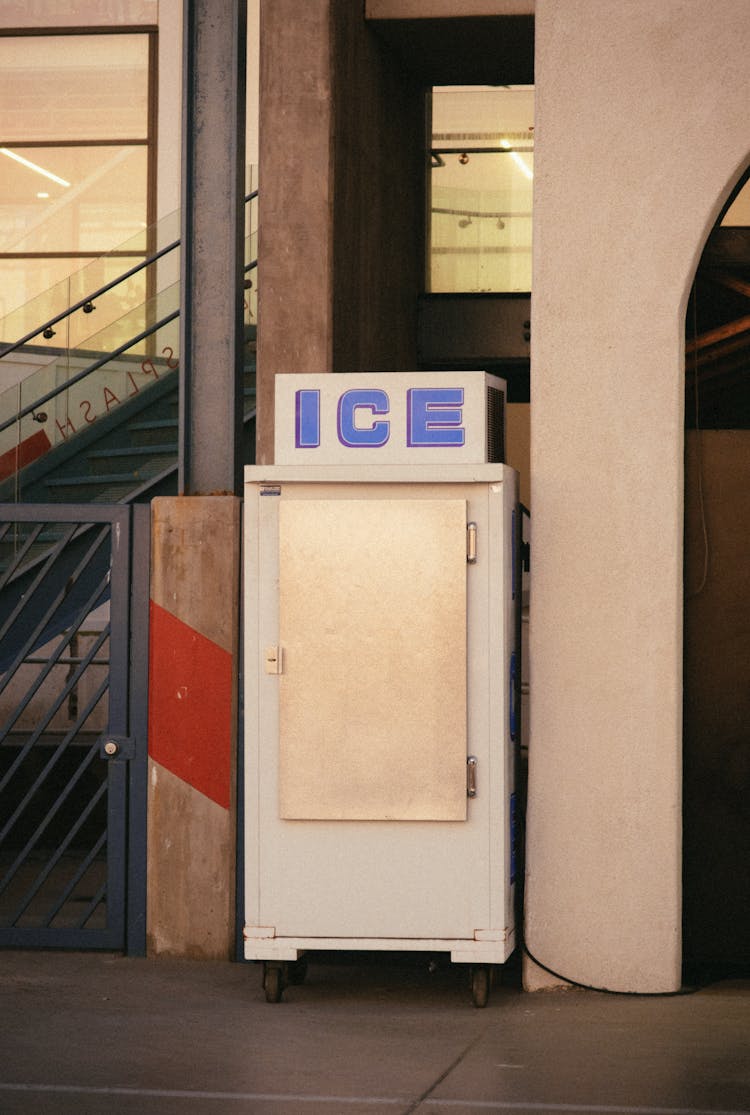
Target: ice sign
(390, 418)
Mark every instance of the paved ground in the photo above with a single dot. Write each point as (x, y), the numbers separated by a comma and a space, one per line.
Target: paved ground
(84, 1034)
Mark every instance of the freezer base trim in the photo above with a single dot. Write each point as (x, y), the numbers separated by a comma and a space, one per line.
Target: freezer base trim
(462, 951)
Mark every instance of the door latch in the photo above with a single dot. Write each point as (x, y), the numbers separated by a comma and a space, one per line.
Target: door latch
(117, 747)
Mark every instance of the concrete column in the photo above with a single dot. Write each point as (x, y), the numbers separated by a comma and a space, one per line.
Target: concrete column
(295, 249)
(195, 569)
(342, 199)
(641, 134)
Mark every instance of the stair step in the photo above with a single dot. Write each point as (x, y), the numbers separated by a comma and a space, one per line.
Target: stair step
(155, 424)
(132, 451)
(135, 458)
(153, 431)
(108, 479)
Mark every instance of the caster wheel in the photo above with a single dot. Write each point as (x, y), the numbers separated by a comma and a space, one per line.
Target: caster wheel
(480, 985)
(298, 971)
(273, 984)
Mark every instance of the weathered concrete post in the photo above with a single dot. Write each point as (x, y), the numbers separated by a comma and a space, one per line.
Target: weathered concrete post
(194, 614)
(196, 537)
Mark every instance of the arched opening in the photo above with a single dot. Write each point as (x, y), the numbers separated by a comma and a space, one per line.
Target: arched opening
(716, 663)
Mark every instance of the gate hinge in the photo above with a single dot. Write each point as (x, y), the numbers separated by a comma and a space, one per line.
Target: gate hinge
(117, 747)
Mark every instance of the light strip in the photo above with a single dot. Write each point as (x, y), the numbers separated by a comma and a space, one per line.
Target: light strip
(521, 164)
(33, 166)
(517, 160)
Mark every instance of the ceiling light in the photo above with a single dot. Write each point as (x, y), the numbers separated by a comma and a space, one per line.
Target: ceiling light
(42, 194)
(33, 166)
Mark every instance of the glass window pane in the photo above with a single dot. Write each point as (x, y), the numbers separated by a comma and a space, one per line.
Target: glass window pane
(72, 87)
(482, 189)
(102, 205)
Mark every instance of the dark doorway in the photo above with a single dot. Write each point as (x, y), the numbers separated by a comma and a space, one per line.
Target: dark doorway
(716, 781)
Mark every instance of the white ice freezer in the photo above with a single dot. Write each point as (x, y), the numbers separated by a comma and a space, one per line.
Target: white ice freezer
(380, 696)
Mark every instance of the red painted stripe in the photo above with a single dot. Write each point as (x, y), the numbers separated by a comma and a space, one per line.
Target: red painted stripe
(23, 454)
(190, 705)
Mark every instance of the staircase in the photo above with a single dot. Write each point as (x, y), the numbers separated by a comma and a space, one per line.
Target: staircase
(127, 455)
(96, 420)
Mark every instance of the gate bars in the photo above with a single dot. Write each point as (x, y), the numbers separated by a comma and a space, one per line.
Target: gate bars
(73, 689)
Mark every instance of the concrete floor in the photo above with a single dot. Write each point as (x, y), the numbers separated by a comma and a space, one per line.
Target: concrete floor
(85, 1034)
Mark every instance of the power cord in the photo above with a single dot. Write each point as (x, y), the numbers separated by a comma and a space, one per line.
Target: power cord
(606, 990)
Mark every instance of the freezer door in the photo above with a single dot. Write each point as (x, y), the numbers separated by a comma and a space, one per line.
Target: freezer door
(372, 683)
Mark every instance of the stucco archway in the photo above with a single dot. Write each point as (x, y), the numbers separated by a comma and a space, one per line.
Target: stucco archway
(641, 132)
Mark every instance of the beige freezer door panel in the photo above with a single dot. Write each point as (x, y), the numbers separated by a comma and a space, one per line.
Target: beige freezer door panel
(372, 628)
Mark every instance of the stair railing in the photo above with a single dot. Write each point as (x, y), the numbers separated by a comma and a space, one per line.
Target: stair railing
(31, 408)
(86, 303)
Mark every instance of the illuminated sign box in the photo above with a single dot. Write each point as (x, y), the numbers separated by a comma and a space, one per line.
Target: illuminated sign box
(390, 418)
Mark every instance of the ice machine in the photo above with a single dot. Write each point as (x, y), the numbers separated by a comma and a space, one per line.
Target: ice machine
(381, 596)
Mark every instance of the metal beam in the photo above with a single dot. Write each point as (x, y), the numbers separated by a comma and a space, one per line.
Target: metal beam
(213, 179)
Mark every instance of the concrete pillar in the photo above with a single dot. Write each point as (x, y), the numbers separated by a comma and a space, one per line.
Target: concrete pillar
(295, 204)
(342, 199)
(641, 133)
(195, 569)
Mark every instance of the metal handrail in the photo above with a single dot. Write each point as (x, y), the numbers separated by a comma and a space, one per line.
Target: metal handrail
(436, 153)
(31, 408)
(105, 359)
(103, 290)
(61, 387)
(89, 298)
(476, 213)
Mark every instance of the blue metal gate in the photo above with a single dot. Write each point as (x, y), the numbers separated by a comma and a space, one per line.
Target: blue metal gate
(73, 688)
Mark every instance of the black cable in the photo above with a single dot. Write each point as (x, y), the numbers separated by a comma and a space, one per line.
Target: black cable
(606, 990)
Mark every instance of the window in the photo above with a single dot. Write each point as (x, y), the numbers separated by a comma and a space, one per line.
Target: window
(76, 155)
(481, 189)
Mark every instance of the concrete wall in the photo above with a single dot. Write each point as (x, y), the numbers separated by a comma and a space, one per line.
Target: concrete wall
(641, 132)
(342, 205)
(379, 205)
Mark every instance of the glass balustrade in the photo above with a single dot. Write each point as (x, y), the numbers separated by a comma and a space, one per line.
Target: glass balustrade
(107, 352)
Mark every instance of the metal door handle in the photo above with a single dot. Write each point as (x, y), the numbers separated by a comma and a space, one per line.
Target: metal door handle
(471, 776)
